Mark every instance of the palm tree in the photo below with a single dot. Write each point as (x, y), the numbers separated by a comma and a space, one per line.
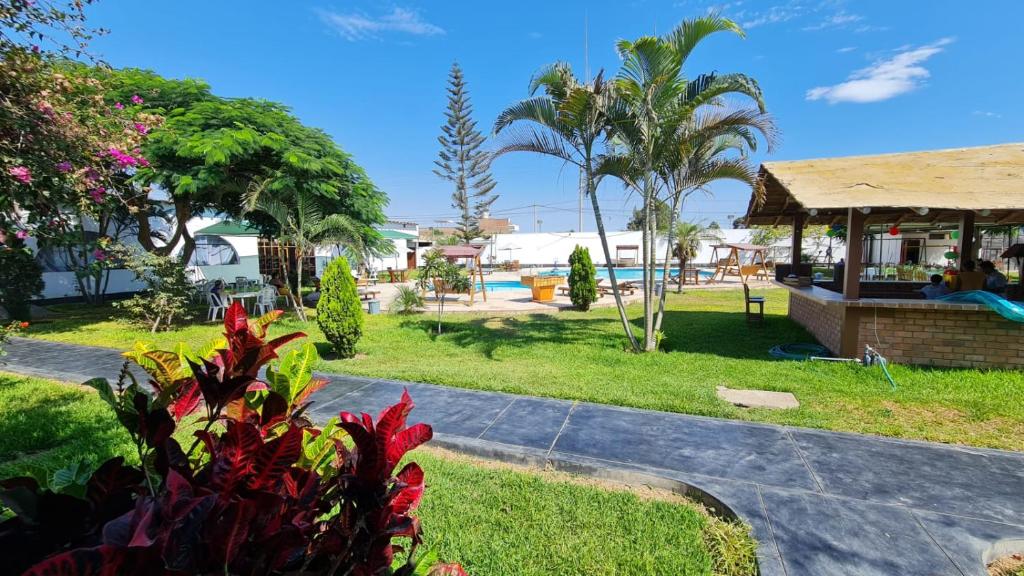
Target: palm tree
(302, 222)
(667, 144)
(688, 238)
(568, 121)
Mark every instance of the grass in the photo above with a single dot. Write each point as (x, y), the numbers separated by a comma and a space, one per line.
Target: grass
(494, 519)
(580, 356)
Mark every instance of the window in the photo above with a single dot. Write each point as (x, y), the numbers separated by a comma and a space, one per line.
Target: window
(213, 251)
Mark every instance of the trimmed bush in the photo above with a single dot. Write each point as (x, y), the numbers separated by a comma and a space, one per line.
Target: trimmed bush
(339, 311)
(582, 281)
(21, 278)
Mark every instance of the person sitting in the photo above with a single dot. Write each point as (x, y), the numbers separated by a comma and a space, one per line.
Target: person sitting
(218, 290)
(969, 278)
(995, 281)
(936, 289)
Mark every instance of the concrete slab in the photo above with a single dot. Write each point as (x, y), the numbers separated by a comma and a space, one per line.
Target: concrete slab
(530, 422)
(970, 543)
(758, 398)
(962, 481)
(720, 448)
(821, 535)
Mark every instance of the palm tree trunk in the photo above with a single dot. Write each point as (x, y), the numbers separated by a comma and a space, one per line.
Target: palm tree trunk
(650, 263)
(592, 192)
(667, 266)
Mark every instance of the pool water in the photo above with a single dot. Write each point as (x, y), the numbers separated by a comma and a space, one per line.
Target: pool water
(625, 274)
(503, 286)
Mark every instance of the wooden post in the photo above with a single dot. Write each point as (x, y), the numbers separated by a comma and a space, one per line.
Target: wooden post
(966, 245)
(797, 245)
(854, 253)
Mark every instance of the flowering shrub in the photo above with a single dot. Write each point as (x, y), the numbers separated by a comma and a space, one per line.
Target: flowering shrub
(9, 330)
(21, 278)
(253, 494)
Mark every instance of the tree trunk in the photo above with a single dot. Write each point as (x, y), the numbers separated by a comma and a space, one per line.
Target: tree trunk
(650, 262)
(182, 214)
(667, 266)
(592, 192)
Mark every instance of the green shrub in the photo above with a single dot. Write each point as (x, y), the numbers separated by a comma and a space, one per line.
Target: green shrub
(407, 301)
(21, 278)
(582, 282)
(164, 303)
(339, 311)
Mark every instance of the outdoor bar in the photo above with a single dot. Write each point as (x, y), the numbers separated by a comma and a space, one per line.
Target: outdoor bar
(951, 198)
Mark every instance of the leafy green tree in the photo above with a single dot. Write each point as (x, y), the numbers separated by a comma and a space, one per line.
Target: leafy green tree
(462, 160)
(443, 277)
(210, 151)
(569, 121)
(662, 218)
(339, 313)
(582, 279)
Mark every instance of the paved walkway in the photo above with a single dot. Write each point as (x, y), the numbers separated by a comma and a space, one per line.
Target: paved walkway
(821, 503)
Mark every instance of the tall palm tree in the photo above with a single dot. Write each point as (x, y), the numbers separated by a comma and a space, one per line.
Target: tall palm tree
(302, 222)
(568, 121)
(669, 147)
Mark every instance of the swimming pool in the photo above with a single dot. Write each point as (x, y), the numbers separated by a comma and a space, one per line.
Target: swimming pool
(633, 274)
(503, 285)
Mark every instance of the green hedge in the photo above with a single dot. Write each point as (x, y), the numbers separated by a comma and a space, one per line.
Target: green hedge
(339, 311)
(582, 281)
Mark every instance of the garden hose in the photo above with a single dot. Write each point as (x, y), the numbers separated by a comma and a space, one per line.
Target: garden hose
(803, 351)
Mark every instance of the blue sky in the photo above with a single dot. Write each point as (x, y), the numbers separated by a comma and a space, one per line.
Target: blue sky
(841, 77)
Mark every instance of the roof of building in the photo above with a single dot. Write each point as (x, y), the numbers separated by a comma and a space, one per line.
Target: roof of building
(397, 235)
(985, 179)
(229, 228)
(462, 251)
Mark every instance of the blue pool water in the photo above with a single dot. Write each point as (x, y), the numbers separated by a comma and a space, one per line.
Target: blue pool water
(626, 274)
(621, 274)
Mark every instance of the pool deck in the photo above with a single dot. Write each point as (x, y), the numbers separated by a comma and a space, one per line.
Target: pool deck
(520, 300)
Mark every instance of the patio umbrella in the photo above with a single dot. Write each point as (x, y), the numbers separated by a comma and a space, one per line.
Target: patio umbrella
(510, 248)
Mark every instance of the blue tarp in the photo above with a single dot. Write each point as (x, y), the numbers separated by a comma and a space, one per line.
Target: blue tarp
(1012, 311)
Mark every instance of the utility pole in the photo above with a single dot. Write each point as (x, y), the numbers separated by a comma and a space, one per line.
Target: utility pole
(534, 217)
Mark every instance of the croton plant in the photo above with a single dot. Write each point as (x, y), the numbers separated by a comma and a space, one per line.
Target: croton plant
(259, 491)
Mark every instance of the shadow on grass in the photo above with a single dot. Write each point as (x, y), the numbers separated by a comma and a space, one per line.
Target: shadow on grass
(725, 334)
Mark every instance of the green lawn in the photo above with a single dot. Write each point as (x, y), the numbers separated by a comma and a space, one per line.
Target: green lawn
(494, 519)
(580, 356)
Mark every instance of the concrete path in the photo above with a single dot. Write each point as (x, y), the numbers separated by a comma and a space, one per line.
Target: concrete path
(821, 503)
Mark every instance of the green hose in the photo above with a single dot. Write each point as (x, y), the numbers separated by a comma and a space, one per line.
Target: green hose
(797, 351)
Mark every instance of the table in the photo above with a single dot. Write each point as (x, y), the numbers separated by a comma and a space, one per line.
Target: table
(695, 273)
(243, 296)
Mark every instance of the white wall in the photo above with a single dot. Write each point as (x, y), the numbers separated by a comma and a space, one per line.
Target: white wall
(547, 248)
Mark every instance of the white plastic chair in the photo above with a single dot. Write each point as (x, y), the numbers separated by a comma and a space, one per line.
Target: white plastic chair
(217, 306)
(267, 300)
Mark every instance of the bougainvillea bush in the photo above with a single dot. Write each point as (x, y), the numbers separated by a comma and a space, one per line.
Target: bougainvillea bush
(258, 490)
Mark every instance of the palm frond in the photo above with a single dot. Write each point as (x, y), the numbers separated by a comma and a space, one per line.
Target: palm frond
(690, 32)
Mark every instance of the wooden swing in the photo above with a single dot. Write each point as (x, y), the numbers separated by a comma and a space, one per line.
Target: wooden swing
(741, 260)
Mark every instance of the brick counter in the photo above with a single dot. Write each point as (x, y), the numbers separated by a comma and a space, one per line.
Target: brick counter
(909, 331)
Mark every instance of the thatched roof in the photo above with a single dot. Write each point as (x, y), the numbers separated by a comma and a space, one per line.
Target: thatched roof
(988, 180)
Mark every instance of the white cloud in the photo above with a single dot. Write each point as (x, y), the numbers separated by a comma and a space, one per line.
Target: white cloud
(986, 114)
(773, 15)
(355, 27)
(884, 79)
(846, 49)
(840, 19)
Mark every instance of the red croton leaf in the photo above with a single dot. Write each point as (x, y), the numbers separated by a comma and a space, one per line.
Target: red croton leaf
(408, 489)
(99, 561)
(407, 440)
(447, 570)
(274, 459)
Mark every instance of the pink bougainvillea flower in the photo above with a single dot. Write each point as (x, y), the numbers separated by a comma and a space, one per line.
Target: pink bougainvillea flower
(141, 128)
(21, 234)
(91, 174)
(35, 49)
(64, 167)
(21, 174)
(99, 254)
(98, 193)
(119, 106)
(136, 99)
(143, 162)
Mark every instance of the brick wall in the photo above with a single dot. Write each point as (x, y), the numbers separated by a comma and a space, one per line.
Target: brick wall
(963, 338)
(823, 321)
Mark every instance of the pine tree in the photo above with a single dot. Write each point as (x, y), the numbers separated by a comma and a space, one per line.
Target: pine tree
(463, 161)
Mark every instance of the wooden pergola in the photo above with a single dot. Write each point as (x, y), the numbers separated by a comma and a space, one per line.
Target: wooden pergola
(472, 254)
(963, 187)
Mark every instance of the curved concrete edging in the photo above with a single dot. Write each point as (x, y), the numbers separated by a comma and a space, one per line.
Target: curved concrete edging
(580, 466)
